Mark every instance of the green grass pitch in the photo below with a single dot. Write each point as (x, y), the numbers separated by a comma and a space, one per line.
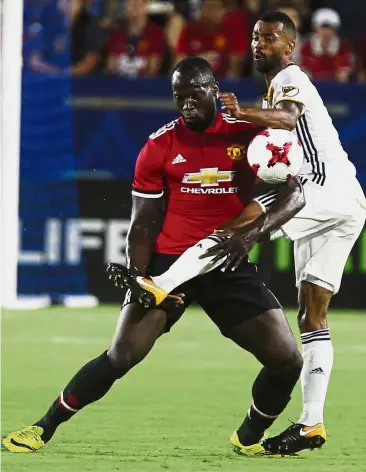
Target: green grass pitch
(175, 411)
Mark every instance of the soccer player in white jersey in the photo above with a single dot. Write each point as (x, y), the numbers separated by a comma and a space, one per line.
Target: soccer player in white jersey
(324, 231)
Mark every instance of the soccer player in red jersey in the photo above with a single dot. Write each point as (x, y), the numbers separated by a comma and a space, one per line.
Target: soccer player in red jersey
(191, 176)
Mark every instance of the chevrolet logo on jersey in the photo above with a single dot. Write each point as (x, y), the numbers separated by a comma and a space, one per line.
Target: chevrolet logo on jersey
(209, 177)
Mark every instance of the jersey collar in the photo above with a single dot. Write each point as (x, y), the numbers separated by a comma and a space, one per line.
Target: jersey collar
(267, 96)
(211, 129)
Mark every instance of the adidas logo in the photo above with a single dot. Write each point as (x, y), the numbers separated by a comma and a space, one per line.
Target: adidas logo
(179, 159)
(318, 370)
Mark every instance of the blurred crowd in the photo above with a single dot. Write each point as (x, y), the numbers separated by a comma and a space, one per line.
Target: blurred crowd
(147, 38)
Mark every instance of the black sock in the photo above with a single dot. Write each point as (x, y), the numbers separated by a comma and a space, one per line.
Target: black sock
(90, 384)
(271, 394)
(252, 429)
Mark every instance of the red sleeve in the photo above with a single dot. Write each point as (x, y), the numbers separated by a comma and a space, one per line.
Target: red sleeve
(183, 45)
(115, 44)
(148, 180)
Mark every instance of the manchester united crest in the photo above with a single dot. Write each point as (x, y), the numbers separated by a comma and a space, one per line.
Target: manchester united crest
(236, 152)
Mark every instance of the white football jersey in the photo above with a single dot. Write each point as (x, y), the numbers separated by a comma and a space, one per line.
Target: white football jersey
(314, 128)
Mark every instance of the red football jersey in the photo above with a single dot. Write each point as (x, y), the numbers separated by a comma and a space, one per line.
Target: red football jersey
(151, 43)
(205, 177)
(214, 45)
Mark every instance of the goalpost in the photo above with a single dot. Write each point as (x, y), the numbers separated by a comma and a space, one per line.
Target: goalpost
(11, 81)
(11, 66)
(11, 12)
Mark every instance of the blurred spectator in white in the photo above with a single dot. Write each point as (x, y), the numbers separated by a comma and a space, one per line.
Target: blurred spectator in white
(295, 17)
(68, 40)
(325, 55)
(352, 13)
(137, 47)
(215, 40)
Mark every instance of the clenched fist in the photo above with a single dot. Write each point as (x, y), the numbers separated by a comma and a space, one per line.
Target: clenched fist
(230, 105)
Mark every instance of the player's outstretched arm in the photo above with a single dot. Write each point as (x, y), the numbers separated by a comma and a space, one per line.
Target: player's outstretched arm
(250, 212)
(146, 219)
(284, 116)
(290, 200)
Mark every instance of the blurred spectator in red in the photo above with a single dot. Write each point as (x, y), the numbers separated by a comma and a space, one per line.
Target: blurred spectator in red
(360, 49)
(325, 55)
(174, 28)
(295, 17)
(221, 43)
(68, 40)
(137, 47)
(240, 18)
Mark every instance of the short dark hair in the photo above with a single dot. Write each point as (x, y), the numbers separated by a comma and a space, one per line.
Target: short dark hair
(279, 16)
(194, 66)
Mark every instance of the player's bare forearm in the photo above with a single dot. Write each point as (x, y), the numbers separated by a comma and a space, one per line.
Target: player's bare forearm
(284, 116)
(289, 202)
(249, 213)
(276, 118)
(146, 219)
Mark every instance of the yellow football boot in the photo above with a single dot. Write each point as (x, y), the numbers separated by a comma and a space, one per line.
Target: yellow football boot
(253, 450)
(27, 439)
(149, 286)
(146, 291)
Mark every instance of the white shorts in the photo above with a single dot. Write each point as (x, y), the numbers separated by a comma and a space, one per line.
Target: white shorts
(326, 229)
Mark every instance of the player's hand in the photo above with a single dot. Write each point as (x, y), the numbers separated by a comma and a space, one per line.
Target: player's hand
(230, 105)
(176, 299)
(235, 248)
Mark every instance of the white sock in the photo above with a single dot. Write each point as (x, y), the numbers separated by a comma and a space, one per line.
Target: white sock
(189, 265)
(317, 351)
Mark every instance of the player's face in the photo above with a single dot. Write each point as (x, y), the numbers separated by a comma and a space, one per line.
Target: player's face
(270, 46)
(196, 101)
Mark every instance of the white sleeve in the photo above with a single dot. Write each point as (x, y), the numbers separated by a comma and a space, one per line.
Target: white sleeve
(266, 199)
(290, 87)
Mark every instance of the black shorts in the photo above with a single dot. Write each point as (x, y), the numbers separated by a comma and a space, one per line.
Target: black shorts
(228, 298)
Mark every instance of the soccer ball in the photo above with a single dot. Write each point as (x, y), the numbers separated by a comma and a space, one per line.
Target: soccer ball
(275, 155)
